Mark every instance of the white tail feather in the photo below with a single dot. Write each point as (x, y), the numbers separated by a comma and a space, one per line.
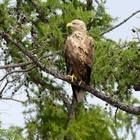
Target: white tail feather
(80, 95)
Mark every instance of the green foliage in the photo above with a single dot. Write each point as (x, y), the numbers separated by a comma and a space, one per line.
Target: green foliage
(88, 125)
(13, 132)
(116, 66)
(50, 123)
(40, 26)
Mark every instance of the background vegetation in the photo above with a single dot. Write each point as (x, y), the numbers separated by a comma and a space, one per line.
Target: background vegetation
(32, 60)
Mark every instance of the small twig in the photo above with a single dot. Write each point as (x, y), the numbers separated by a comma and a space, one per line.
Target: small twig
(10, 98)
(64, 99)
(116, 115)
(16, 71)
(3, 88)
(97, 2)
(16, 65)
(22, 64)
(120, 23)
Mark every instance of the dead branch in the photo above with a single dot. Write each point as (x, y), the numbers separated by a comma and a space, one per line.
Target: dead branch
(3, 88)
(128, 108)
(17, 71)
(125, 20)
(10, 98)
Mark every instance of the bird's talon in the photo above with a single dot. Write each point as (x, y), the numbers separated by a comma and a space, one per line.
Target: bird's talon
(81, 82)
(72, 77)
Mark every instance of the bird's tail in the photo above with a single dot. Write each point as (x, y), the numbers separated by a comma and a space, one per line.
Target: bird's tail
(78, 93)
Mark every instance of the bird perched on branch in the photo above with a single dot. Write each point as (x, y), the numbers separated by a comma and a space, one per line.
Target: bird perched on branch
(78, 48)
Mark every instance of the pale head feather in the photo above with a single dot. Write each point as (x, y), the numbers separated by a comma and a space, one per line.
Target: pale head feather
(77, 25)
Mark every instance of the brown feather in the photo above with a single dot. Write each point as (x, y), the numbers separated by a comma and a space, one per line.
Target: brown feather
(79, 58)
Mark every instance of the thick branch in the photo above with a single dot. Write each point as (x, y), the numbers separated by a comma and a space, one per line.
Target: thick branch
(57, 74)
(120, 23)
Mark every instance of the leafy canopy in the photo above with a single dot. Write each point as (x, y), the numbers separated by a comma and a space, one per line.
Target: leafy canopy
(40, 26)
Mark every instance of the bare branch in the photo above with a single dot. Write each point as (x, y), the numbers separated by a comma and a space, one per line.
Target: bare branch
(10, 98)
(128, 108)
(125, 20)
(16, 65)
(28, 62)
(16, 71)
(3, 88)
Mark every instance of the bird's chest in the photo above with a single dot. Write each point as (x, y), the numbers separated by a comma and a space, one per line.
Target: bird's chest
(79, 52)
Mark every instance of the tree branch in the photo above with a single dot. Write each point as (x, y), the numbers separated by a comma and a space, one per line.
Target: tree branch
(125, 20)
(22, 64)
(10, 98)
(128, 108)
(64, 99)
(17, 71)
(3, 88)
(16, 65)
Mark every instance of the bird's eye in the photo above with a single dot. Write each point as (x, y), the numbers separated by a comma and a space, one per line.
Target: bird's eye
(73, 23)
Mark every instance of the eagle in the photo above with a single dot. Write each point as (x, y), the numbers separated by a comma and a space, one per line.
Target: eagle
(79, 51)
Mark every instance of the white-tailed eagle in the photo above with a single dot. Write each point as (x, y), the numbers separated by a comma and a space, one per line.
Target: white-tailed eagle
(78, 48)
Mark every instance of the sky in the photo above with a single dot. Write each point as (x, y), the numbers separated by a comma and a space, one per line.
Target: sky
(10, 111)
(123, 9)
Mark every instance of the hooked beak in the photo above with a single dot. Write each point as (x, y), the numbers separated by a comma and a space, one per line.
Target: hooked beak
(69, 25)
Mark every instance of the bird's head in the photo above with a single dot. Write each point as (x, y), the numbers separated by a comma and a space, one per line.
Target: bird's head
(77, 25)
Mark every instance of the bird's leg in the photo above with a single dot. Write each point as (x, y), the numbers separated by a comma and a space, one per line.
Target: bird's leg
(72, 77)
